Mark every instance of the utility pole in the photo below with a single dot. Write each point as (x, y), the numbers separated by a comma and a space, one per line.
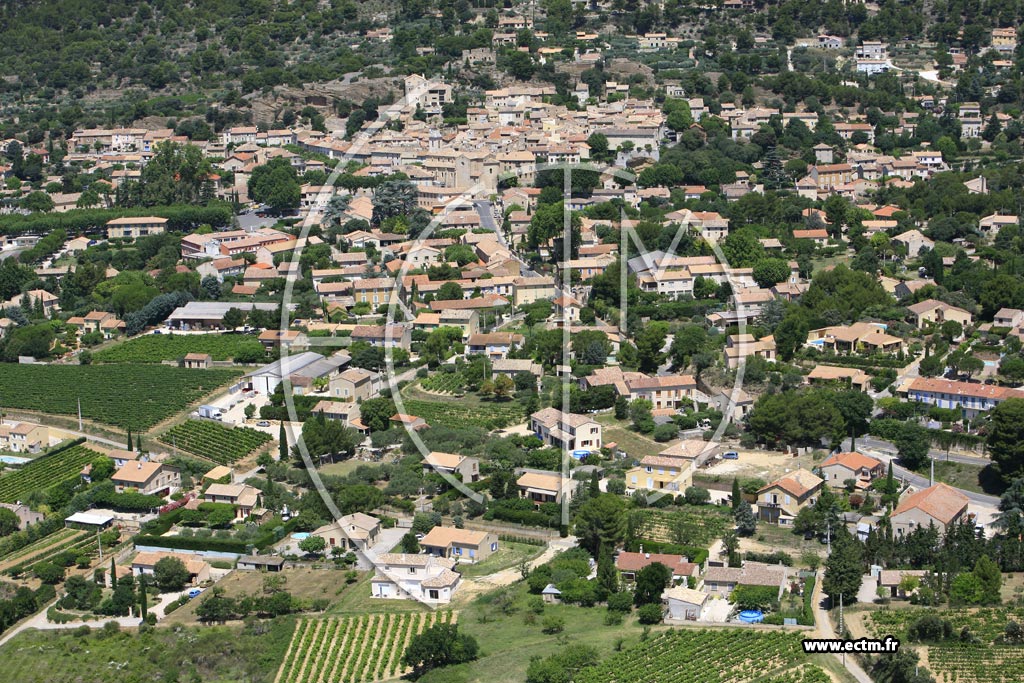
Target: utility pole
(98, 543)
(79, 413)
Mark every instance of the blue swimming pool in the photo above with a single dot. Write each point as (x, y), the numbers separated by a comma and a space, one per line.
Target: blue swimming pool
(752, 616)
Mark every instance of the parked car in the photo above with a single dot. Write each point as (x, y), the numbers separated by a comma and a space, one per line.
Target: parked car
(262, 423)
(730, 455)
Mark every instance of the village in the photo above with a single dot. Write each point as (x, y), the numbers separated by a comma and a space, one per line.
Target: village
(560, 353)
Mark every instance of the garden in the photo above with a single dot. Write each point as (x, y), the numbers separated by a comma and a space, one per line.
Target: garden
(124, 395)
(215, 441)
(155, 348)
(368, 647)
(700, 656)
(45, 473)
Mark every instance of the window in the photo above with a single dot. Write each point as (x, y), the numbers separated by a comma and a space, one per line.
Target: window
(457, 550)
(433, 594)
(494, 547)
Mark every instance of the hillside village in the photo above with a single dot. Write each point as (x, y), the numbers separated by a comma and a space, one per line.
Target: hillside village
(589, 341)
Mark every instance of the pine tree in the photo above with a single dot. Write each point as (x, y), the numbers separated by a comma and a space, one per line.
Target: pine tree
(737, 494)
(129, 438)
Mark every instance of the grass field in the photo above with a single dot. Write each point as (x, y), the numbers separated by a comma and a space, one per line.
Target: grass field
(509, 555)
(635, 444)
(155, 348)
(212, 653)
(128, 396)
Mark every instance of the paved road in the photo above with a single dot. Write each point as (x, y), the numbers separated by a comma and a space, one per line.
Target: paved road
(920, 481)
(486, 211)
(884, 446)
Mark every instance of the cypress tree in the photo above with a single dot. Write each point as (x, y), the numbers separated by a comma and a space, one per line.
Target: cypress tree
(142, 596)
(282, 437)
(113, 574)
(129, 438)
(737, 494)
(138, 442)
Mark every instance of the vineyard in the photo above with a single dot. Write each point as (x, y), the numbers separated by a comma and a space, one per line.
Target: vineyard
(82, 543)
(57, 539)
(352, 649)
(45, 473)
(984, 661)
(696, 526)
(213, 441)
(483, 414)
(705, 656)
(128, 396)
(444, 382)
(804, 674)
(154, 348)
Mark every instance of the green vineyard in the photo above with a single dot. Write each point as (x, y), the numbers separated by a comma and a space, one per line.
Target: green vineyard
(708, 656)
(352, 649)
(213, 441)
(487, 415)
(45, 473)
(154, 348)
(130, 396)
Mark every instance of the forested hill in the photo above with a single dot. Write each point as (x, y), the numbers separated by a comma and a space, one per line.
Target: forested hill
(98, 44)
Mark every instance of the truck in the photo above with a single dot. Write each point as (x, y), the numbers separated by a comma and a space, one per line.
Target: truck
(210, 412)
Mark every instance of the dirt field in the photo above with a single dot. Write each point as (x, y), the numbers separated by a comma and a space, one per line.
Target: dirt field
(304, 583)
(768, 465)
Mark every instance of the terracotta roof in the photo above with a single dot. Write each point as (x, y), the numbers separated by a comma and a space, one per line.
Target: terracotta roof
(796, 483)
(852, 460)
(944, 386)
(941, 501)
(137, 472)
(443, 537)
(634, 562)
(543, 482)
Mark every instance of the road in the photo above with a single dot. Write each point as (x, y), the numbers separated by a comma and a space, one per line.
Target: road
(487, 220)
(825, 630)
(39, 621)
(885, 451)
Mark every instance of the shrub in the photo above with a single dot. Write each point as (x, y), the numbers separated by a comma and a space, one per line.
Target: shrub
(650, 613)
(620, 602)
(552, 624)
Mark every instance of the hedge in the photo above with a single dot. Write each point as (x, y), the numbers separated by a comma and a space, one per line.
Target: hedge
(180, 218)
(692, 553)
(223, 545)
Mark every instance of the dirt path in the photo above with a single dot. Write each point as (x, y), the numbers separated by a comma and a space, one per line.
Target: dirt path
(470, 588)
(823, 626)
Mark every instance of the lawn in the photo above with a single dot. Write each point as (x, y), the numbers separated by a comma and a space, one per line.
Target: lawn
(509, 555)
(210, 653)
(125, 395)
(155, 348)
(977, 478)
(634, 444)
